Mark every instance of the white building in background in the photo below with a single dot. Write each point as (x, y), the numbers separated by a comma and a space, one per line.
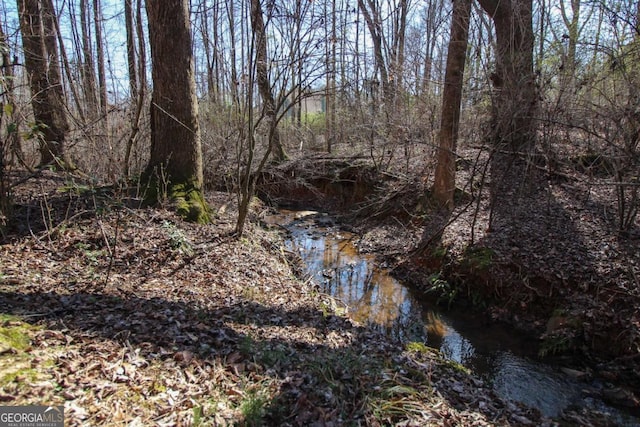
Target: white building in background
(314, 103)
(311, 104)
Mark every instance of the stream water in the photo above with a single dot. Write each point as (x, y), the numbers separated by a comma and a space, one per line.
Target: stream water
(498, 354)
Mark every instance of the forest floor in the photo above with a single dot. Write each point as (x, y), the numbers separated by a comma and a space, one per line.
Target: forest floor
(130, 316)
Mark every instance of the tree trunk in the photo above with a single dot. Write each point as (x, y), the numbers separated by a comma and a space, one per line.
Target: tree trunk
(88, 68)
(573, 30)
(399, 48)
(131, 49)
(514, 182)
(235, 82)
(102, 71)
(431, 29)
(137, 70)
(445, 176)
(175, 165)
(262, 76)
(330, 74)
(7, 88)
(515, 101)
(42, 65)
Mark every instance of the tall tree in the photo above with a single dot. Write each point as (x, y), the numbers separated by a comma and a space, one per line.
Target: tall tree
(371, 13)
(87, 70)
(515, 101)
(574, 29)
(330, 73)
(131, 48)
(175, 163)
(7, 106)
(37, 24)
(445, 176)
(514, 181)
(432, 20)
(137, 73)
(264, 85)
(102, 74)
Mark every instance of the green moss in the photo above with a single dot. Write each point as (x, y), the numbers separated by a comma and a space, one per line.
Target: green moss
(16, 358)
(418, 347)
(457, 366)
(185, 196)
(479, 258)
(14, 333)
(190, 203)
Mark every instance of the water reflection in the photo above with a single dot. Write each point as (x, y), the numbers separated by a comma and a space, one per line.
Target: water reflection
(505, 359)
(370, 293)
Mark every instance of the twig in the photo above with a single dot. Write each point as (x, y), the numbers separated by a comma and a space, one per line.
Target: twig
(112, 252)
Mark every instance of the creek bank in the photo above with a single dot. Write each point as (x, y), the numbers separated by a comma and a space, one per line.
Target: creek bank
(547, 275)
(134, 317)
(506, 361)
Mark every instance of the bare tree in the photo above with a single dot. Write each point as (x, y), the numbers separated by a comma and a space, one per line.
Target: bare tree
(264, 84)
(175, 165)
(8, 105)
(516, 98)
(573, 31)
(42, 64)
(88, 72)
(137, 73)
(445, 176)
(102, 73)
(371, 13)
(432, 23)
(131, 48)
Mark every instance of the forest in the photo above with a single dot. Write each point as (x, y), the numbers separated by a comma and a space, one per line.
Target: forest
(484, 154)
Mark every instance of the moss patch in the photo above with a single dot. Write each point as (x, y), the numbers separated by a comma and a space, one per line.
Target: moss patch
(418, 347)
(13, 334)
(18, 366)
(186, 197)
(190, 203)
(478, 258)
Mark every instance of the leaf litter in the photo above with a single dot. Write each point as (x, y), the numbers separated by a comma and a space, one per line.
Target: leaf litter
(134, 317)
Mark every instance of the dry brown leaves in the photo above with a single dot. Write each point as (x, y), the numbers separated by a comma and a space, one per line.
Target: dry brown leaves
(143, 319)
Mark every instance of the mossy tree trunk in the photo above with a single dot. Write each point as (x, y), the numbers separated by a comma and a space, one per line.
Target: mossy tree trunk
(175, 166)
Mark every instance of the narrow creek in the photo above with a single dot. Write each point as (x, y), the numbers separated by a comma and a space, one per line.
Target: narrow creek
(501, 356)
